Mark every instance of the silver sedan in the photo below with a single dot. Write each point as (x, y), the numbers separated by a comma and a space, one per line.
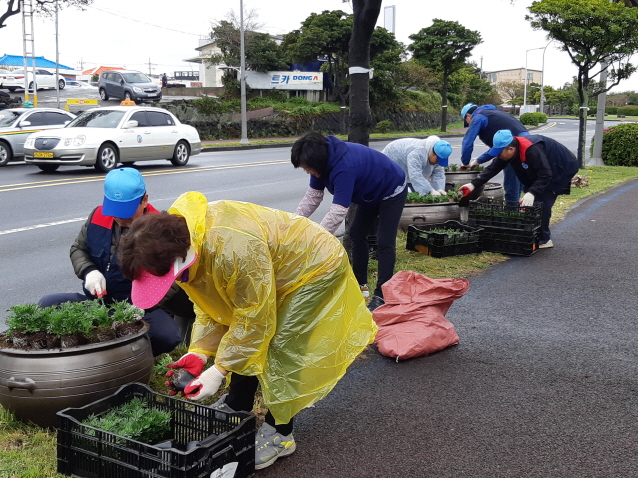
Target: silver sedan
(16, 124)
(103, 137)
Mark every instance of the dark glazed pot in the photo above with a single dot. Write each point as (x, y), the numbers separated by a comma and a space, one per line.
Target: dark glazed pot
(36, 384)
(419, 214)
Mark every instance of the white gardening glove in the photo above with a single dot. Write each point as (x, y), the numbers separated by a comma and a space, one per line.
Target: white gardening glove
(474, 163)
(442, 192)
(95, 283)
(528, 200)
(434, 192)
(206, 385)
(465, 190)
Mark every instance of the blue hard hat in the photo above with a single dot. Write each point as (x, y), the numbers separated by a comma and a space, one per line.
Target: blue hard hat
(502, 139)
(442, 149)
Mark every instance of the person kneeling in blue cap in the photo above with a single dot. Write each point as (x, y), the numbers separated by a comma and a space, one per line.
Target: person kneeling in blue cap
(542, 164)
(94, 260)
(422, 161)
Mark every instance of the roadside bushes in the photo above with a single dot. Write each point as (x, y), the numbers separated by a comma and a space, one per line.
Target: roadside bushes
(620, 145)
(629, 110)
(611, 110)
(383, 126)
(533, 119)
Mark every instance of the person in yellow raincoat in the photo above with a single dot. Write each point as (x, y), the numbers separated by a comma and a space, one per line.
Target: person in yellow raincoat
(276, 301)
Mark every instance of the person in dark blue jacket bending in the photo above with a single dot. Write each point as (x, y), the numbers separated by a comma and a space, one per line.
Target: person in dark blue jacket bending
(484, 121)
(354, 173)
(543, 165)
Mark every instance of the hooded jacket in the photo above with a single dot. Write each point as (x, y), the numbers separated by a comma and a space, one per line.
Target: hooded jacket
(275, 297)
(358, 174)
(542, 164)
(486, 121)
(412, 155)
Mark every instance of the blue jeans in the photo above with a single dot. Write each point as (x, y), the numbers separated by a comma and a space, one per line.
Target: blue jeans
(164, 332)
(512, 186)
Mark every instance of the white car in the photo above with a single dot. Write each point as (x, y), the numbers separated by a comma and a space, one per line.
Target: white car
(43, 79)
(103, 137)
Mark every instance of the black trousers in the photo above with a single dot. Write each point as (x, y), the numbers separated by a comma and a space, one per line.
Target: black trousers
(241, 397)
(389, 213)
(548, 198)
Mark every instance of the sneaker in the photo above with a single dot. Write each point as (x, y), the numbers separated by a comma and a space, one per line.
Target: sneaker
(270, 445)
(365, 291)
(375, 302)
(222, 407)
(546, 245)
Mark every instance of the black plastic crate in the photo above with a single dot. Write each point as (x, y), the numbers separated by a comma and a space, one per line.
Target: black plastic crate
(490, 212)
(202, 441)
(510, 241)
(425, 239)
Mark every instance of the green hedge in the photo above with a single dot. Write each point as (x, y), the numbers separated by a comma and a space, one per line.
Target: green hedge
(611, 110)
(628, 110)
(620, 145)
(533, 119)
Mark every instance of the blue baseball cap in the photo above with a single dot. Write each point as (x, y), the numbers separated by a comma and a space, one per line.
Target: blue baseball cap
(502, 139)
(465, 111)
(442, 149)
(124, 189)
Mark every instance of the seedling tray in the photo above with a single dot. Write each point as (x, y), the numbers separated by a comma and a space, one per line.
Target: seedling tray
(510, 241)
(490, 212)
(201, 442)
(429, 240)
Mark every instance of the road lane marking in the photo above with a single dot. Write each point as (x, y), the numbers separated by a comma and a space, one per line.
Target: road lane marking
(64, 182)
(38, 226)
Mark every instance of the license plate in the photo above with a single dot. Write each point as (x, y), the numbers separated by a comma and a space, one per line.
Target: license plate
(42, 155)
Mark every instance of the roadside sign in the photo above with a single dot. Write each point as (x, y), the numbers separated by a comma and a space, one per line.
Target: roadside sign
(80, 102)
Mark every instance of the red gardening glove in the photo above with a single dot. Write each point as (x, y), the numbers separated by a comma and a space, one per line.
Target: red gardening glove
(192, 362)
(465, 190)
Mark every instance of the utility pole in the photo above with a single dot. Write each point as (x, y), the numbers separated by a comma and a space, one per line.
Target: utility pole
(242, 76)
(150, 66)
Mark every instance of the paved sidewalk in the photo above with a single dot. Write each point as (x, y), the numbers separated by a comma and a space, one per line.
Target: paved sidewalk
(544, 382)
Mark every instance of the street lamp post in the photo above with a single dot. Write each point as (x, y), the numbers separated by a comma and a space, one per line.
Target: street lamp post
(242, 77)
(543, 78)
(525, 84)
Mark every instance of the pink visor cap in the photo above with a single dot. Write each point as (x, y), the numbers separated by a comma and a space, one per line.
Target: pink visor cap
(149, 289)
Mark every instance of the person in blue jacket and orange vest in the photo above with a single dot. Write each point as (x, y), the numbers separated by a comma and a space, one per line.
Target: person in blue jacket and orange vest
(94, 260)
(484, 121)
(542, 164)
(354, 173)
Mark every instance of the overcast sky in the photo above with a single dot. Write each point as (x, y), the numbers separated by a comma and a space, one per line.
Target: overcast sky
(163, 33)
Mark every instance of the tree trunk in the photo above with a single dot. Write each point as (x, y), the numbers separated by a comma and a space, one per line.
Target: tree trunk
(366, 13)
(446, 77)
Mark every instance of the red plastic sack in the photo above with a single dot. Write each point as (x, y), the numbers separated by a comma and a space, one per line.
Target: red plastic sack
(412, 322)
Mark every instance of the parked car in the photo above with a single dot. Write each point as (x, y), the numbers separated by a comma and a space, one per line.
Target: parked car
(16, 124)
(43, 79)
(80, 84)
(129, 85)
(2, 73)
(103, 137)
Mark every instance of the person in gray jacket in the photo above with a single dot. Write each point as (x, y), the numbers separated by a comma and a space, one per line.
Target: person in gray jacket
(423, 161)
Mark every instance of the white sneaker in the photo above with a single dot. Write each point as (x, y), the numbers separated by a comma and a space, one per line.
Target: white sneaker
(365, 291)
(546, 245)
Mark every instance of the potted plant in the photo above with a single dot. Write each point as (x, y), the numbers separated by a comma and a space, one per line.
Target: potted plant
(456, 176)
(69, 355)
(429, 209)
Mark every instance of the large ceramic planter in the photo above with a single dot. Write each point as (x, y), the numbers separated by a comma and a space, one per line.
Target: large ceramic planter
(420, 214)
(456, 179)
(36, 384)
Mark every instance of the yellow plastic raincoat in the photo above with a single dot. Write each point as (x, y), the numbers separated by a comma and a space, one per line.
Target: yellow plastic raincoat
(275, 298)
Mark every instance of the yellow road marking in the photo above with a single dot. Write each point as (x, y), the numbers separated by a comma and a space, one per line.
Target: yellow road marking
(63, 182)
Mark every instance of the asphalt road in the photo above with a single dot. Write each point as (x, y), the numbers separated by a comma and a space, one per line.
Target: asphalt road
(542, 383)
